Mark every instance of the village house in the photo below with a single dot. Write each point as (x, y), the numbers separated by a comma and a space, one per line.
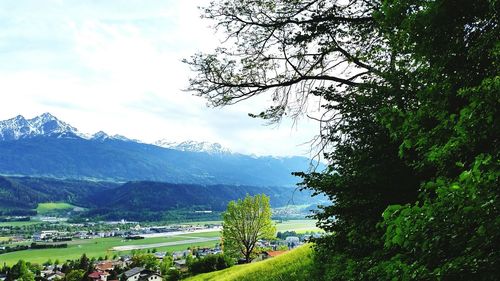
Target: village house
(292, 241)
(160, 255)
(141, 274)
(201, 252)
(98, 276)
(181, 265)
(45, 235)
(55, 276)
(105, 266)
(181, 254)
(268, 254)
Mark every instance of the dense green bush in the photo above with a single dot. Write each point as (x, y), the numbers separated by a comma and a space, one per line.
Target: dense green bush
(210, 263)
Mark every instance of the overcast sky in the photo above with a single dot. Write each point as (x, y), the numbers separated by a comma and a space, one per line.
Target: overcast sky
(115, 65)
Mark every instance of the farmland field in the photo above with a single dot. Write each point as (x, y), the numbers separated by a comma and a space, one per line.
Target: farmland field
(19, 223)
(44, 208)
(298, 225)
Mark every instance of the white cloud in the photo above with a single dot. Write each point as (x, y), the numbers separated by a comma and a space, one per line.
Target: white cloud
(116, 66)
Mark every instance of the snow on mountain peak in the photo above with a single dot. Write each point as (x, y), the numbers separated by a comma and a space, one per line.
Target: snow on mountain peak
(43, 125)
(100, 136)
(194, 146)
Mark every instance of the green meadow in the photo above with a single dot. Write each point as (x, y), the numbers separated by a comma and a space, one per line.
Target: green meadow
(294, 265)
(44, 208)
(297, 225)
(19, 223)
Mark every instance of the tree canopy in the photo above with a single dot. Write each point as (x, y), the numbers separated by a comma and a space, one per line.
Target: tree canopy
(408, 94)
(245, 222)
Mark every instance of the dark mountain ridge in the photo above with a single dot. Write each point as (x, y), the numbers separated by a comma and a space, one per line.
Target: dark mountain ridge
(142, 200)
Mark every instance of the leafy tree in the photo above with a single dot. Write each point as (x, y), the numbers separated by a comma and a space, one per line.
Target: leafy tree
(166, 264)
(148, 261)
(173, 274)
(21, 271)
(84, 263)
(210, 263)
(409, 95)
(244, 222)
(75, 275)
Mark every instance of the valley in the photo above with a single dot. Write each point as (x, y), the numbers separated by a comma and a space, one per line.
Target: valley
(198, 234)
(64, 194)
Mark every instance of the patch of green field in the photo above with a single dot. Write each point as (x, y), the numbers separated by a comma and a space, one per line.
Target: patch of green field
(18, 223)
(297, 225)
(294, 265)
(94, 248)
(44, 208)
(3, 239)
(202, 234)
(170, 249)
(201, 223)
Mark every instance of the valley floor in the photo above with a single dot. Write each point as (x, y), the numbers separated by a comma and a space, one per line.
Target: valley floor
(101, 247)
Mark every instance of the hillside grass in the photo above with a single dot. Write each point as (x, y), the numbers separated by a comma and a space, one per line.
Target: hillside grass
(45, 208)
(291, 266)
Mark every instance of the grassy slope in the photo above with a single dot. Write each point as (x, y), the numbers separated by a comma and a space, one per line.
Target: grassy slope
(294, 265)
(44, 208)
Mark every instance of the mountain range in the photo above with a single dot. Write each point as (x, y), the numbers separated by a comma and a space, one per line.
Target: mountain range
(45, 146)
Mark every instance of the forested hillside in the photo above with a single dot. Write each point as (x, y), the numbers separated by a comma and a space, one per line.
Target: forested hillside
(141, 200)
(125, 160)
(21, 195)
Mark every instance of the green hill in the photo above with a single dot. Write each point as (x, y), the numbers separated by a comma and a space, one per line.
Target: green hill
(291, 266)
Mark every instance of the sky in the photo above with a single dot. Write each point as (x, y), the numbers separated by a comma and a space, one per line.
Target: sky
(115, 66)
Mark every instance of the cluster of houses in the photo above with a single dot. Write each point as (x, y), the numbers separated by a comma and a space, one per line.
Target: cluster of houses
(103, 269)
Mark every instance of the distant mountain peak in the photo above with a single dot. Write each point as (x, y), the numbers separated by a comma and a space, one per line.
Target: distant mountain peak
(46, 116)
(100, 136)
(194, 146)
(45, 124)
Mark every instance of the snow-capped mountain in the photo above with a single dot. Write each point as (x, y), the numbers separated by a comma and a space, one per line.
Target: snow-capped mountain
(194, 146)
(101, 136)
(45, 146)
(42, 125)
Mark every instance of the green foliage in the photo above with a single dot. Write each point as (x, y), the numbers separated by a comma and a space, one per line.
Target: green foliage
(292, 266)
(210, 263)
(244, 222)
(21, 271)
(148, 261)
(166, 264)
(75, 275)
(454, 233)
(173, 274)
(414, 158)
